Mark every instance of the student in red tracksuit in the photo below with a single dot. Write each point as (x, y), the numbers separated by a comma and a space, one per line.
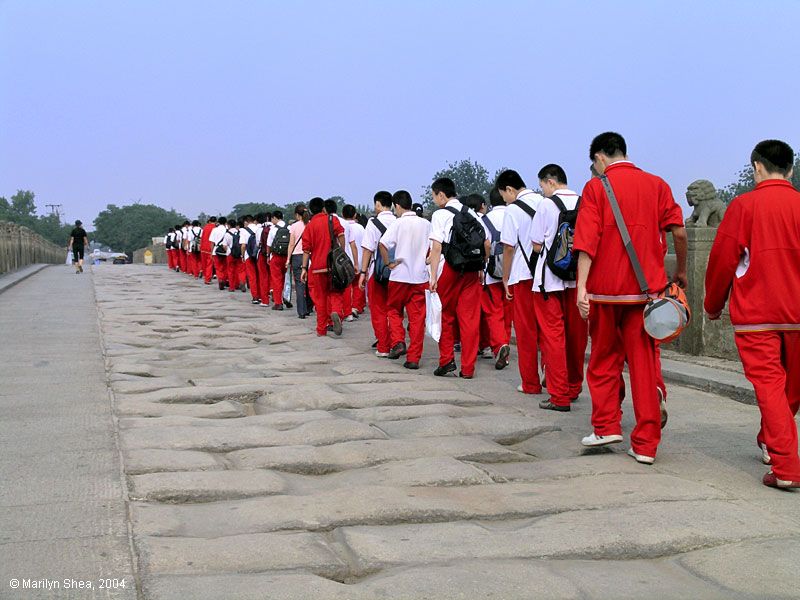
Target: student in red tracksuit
(518, 256)
(316, 248)
(251, 229)
(408, 280)
(459, 292)
(277, 262)
(756, 258)
(609, 295)
(184, 252)
(206, 258)
(377, 293)
(234, 262)
(220, 251)
(563, 334)
(168, 239)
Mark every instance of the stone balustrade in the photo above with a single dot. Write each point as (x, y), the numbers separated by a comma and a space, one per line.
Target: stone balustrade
(20, 246)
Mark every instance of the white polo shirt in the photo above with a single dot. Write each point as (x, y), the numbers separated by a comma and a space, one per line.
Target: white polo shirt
(372, 234)
(408, 237)
(516, 232)
(244, 236)
(273, 230)
(218, 237)
(178, 239)
(496, 216)
(543, 232)
(192, 234)
(229, 238)
(354, 232)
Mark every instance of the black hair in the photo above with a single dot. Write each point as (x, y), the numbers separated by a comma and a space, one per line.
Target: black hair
(170, 229)
(247, 218)
(474, 201)
(331, 207)
(315, 205)
(403, 199)
(195, 223)
(179, 226)
(240, 223)
(222, 220)
(610, 144)
(553, 171)
(212, 219)
(418, 208)
(362, 219)
(267, 217)
(349, 211)
(277, 214)
(446, 185)
(260, 217)
(78, 223)
(186, 223)
(495, 199)
(509, 178)
(775, 155)
(384, 197)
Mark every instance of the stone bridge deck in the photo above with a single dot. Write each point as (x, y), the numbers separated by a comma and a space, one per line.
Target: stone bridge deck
(262, 462)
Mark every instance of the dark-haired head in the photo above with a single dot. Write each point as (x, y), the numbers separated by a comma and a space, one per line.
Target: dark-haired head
(418, 208)
(402, 199)
(277, 214)
(171, 229)
(495, 199)
(222, 220)
(299, 209)
(383, 200)
(474, 201)
(195, 223)
(212, 219)
(444, 185)
(247, 218)
(776, 158)
(78, 223)
(349, 211)
(315, 205)
(260, 217)
(331, 207)
(554, 172)
(509, 183)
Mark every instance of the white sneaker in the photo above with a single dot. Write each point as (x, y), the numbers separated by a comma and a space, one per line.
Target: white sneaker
(765, 457)
(349, 319)
(381, 354)
(600, 440)
(641, 458)
(485, 353)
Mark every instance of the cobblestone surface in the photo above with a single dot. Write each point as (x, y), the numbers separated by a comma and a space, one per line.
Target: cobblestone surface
(264, 462)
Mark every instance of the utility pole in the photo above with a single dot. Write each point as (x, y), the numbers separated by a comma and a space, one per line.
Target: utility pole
(55, 209)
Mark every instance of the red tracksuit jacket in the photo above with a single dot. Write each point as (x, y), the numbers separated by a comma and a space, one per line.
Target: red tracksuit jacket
(757, 254)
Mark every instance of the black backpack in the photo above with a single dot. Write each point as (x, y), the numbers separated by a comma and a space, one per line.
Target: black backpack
(340, 266)
(561, 260)
(465, 251)
(236, 246)
(382, 271)
(280, 243)
(533, 258)
(495, 266)
(194, 246)
(252, 244)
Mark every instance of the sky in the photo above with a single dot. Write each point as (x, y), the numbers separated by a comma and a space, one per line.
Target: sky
(200, 105)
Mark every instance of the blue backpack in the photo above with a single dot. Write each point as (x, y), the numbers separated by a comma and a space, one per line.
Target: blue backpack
(382, 271)
(560, 258)
(495, 266)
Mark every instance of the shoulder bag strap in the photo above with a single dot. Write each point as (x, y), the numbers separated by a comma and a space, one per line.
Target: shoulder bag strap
(492, 228)
(378, 225)
(625, 235)
(558, 202)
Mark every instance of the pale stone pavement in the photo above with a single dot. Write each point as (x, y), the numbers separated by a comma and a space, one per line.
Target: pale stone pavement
(263, 462)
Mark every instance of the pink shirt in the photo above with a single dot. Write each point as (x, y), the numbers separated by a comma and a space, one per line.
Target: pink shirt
(296, 229)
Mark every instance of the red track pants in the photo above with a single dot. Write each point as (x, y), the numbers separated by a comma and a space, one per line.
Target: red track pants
(263, 278)
(411, 297)
(277, 273)
(527, 336)
(771, 361)
(183, 259)
(378, 313)
(208, 267)
(460, 294)
(194, 264)
(170, 259)
(562, 336)
(326, 300)
(251, 272)
(493, 322)
(221, 267)
(617, 332)
(234, 273)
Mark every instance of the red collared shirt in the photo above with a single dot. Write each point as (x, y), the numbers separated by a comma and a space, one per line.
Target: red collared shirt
(756, 257)
(649, 209)
(317, 238)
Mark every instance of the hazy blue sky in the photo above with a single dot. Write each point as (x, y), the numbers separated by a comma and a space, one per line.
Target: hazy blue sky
(200, 105)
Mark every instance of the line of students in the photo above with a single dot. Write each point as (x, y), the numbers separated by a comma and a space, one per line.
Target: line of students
(491, 268)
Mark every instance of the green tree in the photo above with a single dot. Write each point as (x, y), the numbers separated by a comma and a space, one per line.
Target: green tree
(128, 228)
(253, 208)
(745, 181)
(469, 176)
(22, 211)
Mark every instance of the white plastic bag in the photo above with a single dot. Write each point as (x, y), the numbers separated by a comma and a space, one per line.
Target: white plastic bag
(69, 257)
(433, 315)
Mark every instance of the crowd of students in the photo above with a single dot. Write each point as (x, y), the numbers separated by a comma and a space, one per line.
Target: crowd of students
(552, 264)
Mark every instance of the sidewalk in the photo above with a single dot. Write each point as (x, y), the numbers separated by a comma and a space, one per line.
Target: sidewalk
(62, 513)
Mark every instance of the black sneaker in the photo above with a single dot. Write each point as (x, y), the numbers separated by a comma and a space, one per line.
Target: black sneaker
(501, 361)
(445, 369)
(411, 365)
(461, 374)
(457, 347)
(277, 307)
(337, 323)
(548, 405)
(255, 301)
(375, 345)
(287, 303)
(397, 350)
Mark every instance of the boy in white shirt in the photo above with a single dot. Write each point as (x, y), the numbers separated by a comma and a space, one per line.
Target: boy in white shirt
(220, 251)
(195, 231)
(355, 300)
(408, 237)
(562, 332)
(277, 262)
(518, 258)
(251, 229)
(234, 256)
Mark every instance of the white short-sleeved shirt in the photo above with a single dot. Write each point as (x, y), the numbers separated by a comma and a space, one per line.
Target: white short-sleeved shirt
(516, 232)
(185, 235)
(244, 236)
(168, 240)
(178, 239)
(372, 234)
(192, 234)
(543, 232)
(354, 232)
(273, 230)
(408, 237)
(218, 237)
(496, 216)
(229, 237)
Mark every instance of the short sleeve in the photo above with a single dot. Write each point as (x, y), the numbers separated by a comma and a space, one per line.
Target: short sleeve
(589, 226)
(669, 213)
(539, 225)
(389, 238)
(510, 231)
(438, 222)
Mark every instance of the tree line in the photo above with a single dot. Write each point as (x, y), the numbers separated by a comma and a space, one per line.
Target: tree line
(128, 228)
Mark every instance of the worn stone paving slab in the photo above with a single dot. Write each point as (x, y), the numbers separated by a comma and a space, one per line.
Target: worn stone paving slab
(384, 505)
(152, 460)
(206, 486)
(503, 429)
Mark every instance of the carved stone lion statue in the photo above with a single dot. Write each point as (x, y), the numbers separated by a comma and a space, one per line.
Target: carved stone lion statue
(708, 209)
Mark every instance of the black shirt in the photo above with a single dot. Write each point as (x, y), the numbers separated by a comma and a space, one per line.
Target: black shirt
(78, 234)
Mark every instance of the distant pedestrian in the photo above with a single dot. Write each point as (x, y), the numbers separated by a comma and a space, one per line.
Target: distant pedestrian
(77, 243)
(295, 260)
